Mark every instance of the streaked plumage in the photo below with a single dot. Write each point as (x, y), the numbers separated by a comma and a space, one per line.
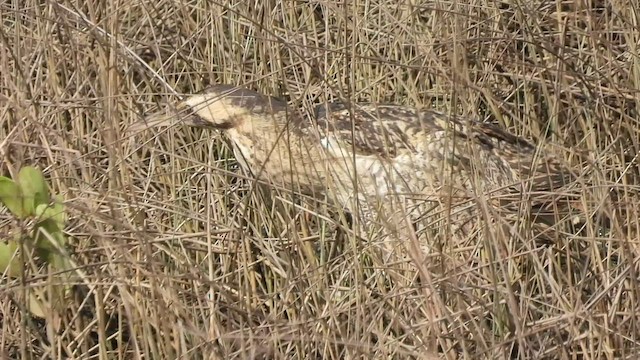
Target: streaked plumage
(391, 159)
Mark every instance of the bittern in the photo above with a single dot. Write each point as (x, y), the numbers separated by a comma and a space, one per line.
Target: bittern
(376, 161)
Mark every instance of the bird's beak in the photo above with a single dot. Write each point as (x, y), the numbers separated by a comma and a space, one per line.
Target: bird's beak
(180, 115)
(159, 119)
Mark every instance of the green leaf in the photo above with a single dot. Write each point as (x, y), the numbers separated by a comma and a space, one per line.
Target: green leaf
(11, 198)
(33, 187)
(10, 263)
(36, 305)
(54, 211)
(60, 263)
(45, 240)
(49, 297)
(50, 239)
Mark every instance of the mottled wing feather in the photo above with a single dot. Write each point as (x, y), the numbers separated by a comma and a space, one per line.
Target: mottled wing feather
(368, 129)
(387, 130)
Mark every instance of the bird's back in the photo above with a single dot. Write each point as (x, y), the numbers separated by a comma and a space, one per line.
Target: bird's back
(441, 145)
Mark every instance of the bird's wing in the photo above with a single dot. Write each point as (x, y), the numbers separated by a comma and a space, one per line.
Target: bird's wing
(389, 130)
(386, 129)
(369, 129)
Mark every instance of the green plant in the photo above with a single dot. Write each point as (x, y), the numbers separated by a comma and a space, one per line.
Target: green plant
(41, 219)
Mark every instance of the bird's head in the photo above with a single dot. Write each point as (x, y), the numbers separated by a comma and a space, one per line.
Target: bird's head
(221, 107)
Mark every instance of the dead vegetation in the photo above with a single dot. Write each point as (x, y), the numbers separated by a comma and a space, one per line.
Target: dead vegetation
(182, 256)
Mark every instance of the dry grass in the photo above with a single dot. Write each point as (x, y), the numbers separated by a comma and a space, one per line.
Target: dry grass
(184, 257)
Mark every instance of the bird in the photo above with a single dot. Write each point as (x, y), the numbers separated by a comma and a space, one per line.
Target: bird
(380, 162)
